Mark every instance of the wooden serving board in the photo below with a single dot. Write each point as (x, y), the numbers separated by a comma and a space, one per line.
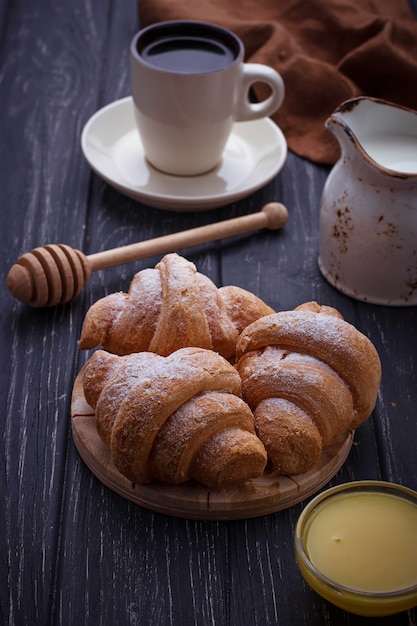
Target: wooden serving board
(260, 496)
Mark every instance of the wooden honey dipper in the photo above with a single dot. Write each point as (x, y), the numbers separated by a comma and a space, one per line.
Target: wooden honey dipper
(56, 273)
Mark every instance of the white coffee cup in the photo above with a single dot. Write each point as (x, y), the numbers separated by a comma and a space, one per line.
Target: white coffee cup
(189, 86)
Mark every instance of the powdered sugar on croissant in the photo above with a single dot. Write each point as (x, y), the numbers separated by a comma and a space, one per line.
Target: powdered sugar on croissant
(174, 418)
(310, 377)
(170, 307)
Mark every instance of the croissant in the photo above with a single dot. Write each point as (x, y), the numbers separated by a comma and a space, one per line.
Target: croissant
(170, 307)
(174, 418)
(310, 377)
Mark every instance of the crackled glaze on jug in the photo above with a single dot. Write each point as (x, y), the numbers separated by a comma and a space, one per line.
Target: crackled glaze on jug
(368, 215)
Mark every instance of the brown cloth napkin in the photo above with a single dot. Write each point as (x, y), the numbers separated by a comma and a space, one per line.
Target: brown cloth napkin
(327, 51)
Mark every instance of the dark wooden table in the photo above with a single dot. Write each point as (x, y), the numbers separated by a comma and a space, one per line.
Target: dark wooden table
(73, 551)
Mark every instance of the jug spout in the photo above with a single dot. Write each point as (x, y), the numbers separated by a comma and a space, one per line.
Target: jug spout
(341, 125)
(384, 135)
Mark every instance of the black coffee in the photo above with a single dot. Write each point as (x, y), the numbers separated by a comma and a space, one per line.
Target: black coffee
(188, 47)
(188, 55)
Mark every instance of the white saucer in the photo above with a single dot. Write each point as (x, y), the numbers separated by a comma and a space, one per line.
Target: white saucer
(255, 153)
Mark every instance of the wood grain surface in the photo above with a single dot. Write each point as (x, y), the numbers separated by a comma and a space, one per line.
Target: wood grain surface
(72, 551)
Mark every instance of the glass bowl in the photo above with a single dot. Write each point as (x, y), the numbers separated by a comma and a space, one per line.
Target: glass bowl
(356, 546)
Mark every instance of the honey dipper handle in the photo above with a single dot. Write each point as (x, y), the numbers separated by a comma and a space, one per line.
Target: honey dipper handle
(56, 273)
(273, 216)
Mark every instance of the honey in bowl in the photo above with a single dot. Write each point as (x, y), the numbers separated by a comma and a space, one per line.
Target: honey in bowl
(356, 545)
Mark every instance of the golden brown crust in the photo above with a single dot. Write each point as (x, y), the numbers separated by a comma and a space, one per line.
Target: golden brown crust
(96, 377)
(295, 446)
(305, 381)
(191, 446)
(329, 339)
(161, 415)
(243, 307)
(170, 307)
(315, 307)
(314, 359)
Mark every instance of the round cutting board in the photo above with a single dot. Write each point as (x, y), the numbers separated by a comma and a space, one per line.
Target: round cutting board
(260, 496)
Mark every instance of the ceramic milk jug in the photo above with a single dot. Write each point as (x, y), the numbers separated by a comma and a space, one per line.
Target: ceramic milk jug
(368, 215)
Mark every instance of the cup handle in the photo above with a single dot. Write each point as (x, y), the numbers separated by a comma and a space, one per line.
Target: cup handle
(255, 73)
